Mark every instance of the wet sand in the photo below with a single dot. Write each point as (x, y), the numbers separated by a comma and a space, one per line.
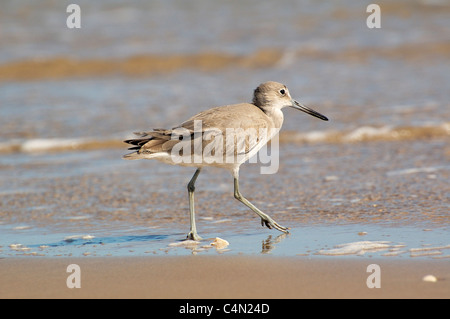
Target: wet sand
(222, 277)
(390, 182)
(377, 172)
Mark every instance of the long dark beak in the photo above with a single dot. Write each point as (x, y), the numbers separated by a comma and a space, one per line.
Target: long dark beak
(306, 109)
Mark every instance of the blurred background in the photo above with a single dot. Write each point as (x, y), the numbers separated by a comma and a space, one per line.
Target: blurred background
(68, 97)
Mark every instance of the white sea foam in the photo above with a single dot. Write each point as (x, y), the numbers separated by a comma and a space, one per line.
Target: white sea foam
(19, 247)
(40, 145)
(359, 134)
(427, 251)
(429, 248)
(414, 170)
(358, 248)
(75, 237)
(367, 132)
(22, 227)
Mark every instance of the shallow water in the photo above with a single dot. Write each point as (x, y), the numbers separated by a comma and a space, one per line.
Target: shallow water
(68, 98)
(325, 241)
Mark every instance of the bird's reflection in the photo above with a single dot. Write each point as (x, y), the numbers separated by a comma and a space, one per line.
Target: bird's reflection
(269, 243)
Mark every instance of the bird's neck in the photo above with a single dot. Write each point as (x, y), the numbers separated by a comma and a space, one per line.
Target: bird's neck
(276, 115)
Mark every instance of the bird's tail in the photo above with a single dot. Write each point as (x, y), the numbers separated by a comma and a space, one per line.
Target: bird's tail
(149, 144)
(132, 156)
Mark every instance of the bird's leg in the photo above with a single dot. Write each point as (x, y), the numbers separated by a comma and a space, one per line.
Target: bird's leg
(191, 188)
(265, 219)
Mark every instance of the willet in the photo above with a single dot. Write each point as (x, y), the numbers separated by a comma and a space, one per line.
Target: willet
(253, 124)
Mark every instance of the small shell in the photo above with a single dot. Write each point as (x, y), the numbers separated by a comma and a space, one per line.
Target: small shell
(185, 243)
(220, 243)
(429, 278)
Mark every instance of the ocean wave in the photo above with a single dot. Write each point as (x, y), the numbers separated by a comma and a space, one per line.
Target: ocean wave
(57, 145)
(369, 134)
(144, 65)
(361, 134)
(65, 67)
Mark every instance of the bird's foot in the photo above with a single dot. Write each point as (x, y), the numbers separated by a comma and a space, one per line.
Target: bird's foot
(270, 223)
(193, 236)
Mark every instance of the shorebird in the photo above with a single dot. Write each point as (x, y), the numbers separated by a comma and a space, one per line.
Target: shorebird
(253, 125)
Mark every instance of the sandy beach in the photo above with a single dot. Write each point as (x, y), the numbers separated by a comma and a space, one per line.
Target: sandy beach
(194, 277)
(370, 186)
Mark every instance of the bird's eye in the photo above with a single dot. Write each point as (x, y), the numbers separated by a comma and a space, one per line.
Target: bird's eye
(282, 92)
